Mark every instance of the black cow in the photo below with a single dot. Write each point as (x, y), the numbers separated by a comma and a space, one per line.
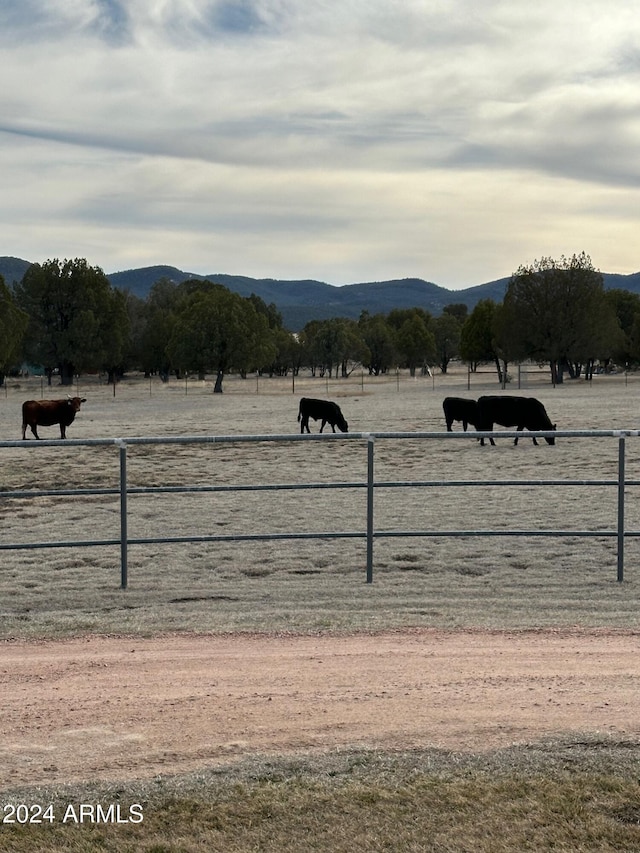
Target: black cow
(520, 412)
(321, 410)
(37, 413)
(460, 409)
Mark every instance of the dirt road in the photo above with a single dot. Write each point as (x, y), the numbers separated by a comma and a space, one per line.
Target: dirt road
(110, 708)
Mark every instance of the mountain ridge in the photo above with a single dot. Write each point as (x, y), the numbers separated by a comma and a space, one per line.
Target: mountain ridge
(302, 300)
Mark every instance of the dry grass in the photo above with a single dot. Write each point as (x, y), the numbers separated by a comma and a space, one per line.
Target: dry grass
(573, 796)
(568, 796)
(317, 584)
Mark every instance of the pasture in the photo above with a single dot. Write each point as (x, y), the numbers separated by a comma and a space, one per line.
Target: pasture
(571, 787)
(310, 585)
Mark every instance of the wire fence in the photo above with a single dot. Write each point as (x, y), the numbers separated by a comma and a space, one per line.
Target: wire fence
(366, 530)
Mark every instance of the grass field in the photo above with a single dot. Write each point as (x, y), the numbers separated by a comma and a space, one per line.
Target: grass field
(568, 795)
(317, 584)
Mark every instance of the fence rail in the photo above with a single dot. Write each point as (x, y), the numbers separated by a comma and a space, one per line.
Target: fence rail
(369, 532)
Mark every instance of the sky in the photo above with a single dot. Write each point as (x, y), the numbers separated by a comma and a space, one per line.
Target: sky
(351, 141)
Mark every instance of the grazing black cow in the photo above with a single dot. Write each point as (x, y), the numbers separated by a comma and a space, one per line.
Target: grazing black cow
(460, 409)
(37, 413)
(321, 410)
(520, 412)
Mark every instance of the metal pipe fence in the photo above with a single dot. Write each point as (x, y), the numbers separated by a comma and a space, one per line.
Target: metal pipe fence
(370, 484)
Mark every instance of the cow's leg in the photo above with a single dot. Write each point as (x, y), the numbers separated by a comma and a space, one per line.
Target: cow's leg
(34, 430)
(304, 424)
(464, 425)
(322, 424)
(333, 427)
(63, 431)
(449, 425)
(486, 428)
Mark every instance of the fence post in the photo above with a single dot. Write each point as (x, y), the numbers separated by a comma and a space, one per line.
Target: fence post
(621, 477)
(370, 509)
(123, 513)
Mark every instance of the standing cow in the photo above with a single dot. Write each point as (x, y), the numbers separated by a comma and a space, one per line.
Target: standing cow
(460, 409)
(37, 413)
(321, 410)
(520, 412)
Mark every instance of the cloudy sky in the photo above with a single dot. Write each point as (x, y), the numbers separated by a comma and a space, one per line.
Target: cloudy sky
(359, 140)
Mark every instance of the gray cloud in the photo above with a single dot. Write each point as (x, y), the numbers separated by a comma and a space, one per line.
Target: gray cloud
(112, 21)
(424, 137)
(237, 16)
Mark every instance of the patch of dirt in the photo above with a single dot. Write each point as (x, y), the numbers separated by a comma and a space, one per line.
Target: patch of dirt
(115, 708)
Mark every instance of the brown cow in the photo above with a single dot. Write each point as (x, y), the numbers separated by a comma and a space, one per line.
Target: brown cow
(37, 413)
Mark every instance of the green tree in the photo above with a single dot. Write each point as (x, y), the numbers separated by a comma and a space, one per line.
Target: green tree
(288, 353)
(162, 306)
(331, 340)
(479, 339)
(75, 317)
(310, 352)
(458, 310)
(218, 329)
(379, 339)
(476, 335)
(13, 324)
(118, 343)
(270, 311)
(354, 351)
(415, 343)
(505, 342)
(626, 306)
(634, 340)
(137, 313)
(447, 335)
(287, 347)
(334, 342)
(559, 313)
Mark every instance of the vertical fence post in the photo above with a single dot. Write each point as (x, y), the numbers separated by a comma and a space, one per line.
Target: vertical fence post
(370, 509)
(123, 513)
(621, 477)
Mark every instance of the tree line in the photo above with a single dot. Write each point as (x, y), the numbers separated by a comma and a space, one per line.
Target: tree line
(65, 317)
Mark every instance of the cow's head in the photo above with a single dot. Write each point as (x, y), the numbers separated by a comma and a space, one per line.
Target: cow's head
(342, 425)
(75, 402)
(551, 439)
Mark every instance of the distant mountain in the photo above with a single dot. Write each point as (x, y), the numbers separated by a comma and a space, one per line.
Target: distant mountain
(305, 300)
(12, 269)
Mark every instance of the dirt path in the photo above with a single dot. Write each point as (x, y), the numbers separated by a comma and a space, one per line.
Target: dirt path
(115, 708)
